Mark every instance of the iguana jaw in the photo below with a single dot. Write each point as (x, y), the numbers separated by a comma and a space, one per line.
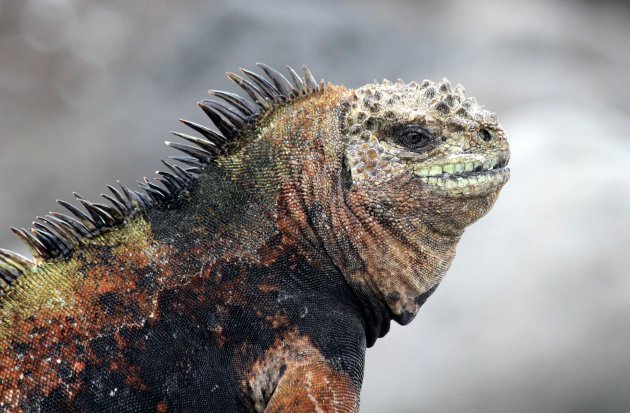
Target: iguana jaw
(464, 175)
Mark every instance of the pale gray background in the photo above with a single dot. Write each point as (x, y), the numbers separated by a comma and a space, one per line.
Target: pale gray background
(534, 315)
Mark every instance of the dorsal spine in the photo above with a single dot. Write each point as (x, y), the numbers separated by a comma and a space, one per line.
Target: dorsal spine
(56, 235)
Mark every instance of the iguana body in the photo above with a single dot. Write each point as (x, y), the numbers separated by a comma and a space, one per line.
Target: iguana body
(253, 278)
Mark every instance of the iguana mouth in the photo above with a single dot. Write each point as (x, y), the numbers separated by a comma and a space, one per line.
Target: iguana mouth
(465, 176)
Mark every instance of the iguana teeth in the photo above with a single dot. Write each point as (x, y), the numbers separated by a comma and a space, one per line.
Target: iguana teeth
(465, 184)
(450, 168)
(435, 170)
(447, 170)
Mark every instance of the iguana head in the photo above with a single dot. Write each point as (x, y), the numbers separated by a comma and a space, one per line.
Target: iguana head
(443, 145)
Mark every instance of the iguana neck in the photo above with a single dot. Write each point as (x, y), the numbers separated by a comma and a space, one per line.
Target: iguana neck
(401, 264)
(392, 268)
(363, 239)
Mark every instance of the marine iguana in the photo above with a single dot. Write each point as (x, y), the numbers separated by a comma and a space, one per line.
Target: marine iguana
(257, 268)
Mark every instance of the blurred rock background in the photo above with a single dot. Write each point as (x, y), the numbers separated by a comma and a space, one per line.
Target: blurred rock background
(534, 315)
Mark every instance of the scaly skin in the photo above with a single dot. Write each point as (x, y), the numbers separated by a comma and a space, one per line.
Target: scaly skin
(260, 285)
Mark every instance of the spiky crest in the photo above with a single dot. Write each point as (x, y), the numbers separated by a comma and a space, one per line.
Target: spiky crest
(56, 235)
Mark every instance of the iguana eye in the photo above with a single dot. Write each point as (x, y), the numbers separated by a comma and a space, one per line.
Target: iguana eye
(415, 138)
(485, 135)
